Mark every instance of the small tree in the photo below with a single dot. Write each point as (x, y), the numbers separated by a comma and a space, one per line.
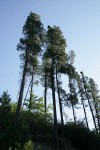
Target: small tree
(5, 103)
(37, 104)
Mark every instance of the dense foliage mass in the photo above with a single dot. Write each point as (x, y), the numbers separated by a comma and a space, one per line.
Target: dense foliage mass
(32, 122)
(37, 127)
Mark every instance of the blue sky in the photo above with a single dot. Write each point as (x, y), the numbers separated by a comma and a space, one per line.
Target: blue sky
(79, 21)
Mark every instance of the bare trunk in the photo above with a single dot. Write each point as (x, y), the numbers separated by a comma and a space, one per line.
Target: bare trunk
(72, 102)
(84, 107)
(91, 112)
(84, 112)
(21, 88)
(54, 102)
(73, 112)
(30, 103)
(61, 113)
(45, 94)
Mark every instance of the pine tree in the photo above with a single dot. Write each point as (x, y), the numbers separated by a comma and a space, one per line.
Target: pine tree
(55, 50)
(96, 99)
(69, 70)
(30, 44)
(83, 98)
(88, 98)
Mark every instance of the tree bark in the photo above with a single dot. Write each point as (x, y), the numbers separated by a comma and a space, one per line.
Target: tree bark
(60, 106)
(73, 112)
(84, 107)
(45, 93)
(54, 101)
(30, 103)
(22, 88)
(72, 102)
(91, 111)
(84, 111)
(96, 110)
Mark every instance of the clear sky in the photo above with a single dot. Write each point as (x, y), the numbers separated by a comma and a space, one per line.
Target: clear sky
(79, 21)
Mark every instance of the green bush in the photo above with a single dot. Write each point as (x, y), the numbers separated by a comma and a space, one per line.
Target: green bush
(81, 137)
(28, 146)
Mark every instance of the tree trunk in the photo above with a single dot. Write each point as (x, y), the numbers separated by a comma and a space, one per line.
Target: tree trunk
(96, 110)
(84, 111)
(45, 93)
(60, 106)
(54, 102)
(91, 111)
(72, 102)
(30, 103)
(83, 107)
(21, 88)
(73, 112)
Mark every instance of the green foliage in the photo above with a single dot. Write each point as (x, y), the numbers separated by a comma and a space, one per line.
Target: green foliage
(17, 146)
(37, 107)
(81, 137)
(5, 109)
(32, 42)
(5, 103)
(28, 146)
(13, 106)
(37, 104)
(56, 45)
(29, 46)
(28, 122)
(34, 34)
(36, 127)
